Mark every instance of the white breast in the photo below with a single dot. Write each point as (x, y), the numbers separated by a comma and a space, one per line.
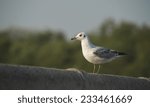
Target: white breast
(87, 50)
(90, 57)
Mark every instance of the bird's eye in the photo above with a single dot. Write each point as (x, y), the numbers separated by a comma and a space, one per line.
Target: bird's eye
(80, 35)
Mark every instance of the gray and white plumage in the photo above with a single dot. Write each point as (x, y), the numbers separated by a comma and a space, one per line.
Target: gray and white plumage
(96, 54)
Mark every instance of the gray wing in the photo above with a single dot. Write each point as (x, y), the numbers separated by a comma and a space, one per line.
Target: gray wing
(106, 53)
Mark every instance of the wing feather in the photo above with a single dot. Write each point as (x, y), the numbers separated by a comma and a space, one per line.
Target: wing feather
(105, 53)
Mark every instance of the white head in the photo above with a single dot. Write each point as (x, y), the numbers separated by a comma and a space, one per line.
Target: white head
(80, 36)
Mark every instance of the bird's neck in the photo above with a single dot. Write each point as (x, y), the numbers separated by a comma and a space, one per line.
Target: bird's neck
(85, 43)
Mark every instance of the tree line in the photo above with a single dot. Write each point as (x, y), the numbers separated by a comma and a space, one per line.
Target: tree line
(51, 48)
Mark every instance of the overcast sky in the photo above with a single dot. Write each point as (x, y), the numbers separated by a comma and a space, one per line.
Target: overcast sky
(71, 16)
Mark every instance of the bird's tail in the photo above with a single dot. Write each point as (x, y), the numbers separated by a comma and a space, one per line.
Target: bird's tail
(121, 53)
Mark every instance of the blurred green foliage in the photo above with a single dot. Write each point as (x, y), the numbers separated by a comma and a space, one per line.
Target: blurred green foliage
(52, 49)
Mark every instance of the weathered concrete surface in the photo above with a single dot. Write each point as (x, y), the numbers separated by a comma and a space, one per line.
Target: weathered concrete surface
(25, 77)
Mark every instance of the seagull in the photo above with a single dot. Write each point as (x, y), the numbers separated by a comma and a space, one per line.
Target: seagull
(96, 54)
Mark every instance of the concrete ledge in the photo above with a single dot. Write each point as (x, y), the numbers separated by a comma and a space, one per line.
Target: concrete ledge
(39, 78)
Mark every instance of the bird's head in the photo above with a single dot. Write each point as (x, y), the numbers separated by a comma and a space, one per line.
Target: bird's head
(79, 36)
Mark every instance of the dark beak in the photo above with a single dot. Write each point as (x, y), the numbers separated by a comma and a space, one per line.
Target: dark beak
(73, 38)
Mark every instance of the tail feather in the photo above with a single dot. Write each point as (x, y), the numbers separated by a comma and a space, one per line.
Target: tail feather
(121, 53)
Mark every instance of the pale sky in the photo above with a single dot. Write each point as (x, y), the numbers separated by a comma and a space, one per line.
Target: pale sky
(71, 16)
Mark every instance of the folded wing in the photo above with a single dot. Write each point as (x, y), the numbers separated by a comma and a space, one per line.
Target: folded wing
(107, 53)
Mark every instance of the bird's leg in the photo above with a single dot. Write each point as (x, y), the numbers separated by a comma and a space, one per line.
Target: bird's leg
(94, 68)
(98, 69)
